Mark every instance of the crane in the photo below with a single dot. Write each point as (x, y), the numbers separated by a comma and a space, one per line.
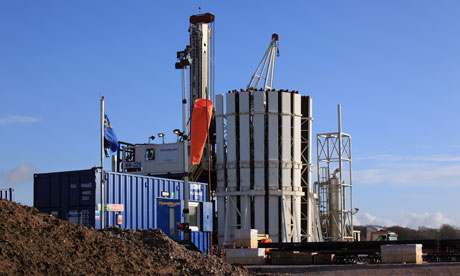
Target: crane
(268, 63)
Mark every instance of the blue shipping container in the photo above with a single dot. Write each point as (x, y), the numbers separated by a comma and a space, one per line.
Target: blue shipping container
(6, 193)
(132, 201)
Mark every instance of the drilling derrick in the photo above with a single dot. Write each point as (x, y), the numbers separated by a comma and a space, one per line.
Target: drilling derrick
(200, 49)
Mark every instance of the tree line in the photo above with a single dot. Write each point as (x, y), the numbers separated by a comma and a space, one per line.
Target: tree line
(445, 232)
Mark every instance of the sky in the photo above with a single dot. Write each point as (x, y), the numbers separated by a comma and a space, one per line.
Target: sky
(393, 65)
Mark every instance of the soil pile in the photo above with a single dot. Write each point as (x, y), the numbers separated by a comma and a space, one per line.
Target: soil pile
(33, 243)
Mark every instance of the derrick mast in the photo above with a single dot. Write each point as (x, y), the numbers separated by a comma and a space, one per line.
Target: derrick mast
(200, 50)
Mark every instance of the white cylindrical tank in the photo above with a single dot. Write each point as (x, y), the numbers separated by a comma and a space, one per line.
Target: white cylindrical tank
(335, 209)
(259, 164)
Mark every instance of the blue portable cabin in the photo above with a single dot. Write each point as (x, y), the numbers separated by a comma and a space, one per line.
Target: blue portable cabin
(132, 201)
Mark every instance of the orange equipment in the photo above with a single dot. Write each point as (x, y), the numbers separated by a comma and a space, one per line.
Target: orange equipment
(201, 119)
(266, 241)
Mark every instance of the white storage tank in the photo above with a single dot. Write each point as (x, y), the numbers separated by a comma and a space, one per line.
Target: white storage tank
(259, 164)
(335, 208)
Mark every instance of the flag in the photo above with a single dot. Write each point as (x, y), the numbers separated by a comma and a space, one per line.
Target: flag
(110, 138)
(199, 129)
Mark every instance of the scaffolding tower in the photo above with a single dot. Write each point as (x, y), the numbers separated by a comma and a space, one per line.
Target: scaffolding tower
(334, 185)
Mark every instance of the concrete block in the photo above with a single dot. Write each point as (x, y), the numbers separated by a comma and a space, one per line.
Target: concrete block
(401, 249)
(250, 234)
(244, 252)
(246, 261)
(247, 256)
(248, 243)
(401, 253)
(411, 258)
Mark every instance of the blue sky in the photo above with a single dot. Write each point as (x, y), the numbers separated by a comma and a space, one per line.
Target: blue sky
(393, 65)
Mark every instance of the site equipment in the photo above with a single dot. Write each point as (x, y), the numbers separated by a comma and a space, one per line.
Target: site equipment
(378, 233)
(334, 186)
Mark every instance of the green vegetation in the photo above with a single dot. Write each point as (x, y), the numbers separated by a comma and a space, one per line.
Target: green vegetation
(445, 232)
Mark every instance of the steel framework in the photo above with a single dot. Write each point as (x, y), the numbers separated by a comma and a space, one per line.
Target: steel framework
(334, 185)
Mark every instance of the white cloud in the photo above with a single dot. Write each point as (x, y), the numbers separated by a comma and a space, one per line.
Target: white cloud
(408, 219)
(421, 174)
(432, 170)
(16, 119)
(414, 175)
(378, 157)
(371, 176)
(367, 219)
(440, 158)
(394, 158)
(21, 174)
(430, 220)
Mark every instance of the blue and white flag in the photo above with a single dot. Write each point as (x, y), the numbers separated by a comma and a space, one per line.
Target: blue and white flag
(110, 138)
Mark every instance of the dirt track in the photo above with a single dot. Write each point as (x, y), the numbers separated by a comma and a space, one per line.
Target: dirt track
(33, 243)
(374, 269)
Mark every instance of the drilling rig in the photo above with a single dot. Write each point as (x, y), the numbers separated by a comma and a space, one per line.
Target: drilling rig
(169, 159)
(258, 156)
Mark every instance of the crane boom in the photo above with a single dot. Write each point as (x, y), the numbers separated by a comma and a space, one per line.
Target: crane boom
(266, 66)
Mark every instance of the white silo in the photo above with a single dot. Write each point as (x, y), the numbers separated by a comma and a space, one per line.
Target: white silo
(263, 180)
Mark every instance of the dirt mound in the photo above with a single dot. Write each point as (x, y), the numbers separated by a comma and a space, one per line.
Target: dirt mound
(33, 243)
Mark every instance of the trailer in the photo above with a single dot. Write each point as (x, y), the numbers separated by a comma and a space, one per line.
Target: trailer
(131, 201)
(362, 251)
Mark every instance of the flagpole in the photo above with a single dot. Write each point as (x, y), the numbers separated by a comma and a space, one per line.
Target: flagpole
(102, 166)
(187, 235)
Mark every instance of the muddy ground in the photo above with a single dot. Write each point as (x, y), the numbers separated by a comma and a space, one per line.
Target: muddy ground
(33, 243)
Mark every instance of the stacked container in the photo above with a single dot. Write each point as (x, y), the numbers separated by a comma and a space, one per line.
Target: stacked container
(131, 201)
